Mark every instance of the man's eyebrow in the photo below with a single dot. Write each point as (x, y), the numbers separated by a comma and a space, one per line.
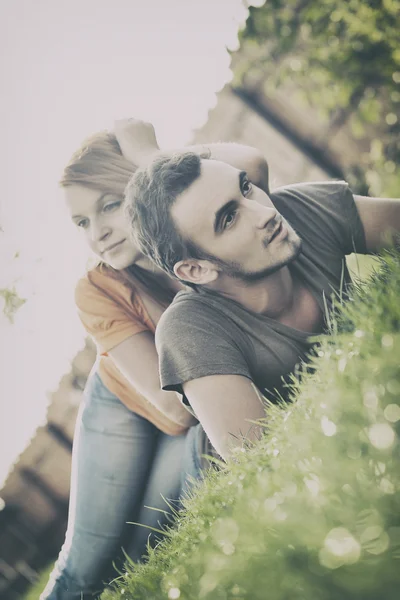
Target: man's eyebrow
(99, 199)
(221, 212)
(229, 205)
(242, 176)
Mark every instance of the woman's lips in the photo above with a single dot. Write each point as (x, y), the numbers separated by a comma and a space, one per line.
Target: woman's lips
(112, 247)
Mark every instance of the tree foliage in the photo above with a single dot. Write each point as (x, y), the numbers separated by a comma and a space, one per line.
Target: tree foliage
(345, 55)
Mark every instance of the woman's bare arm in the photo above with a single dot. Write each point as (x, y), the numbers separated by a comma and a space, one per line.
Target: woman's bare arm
(137, 359)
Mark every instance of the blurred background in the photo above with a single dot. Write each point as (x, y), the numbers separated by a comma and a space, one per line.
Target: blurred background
(314, 85)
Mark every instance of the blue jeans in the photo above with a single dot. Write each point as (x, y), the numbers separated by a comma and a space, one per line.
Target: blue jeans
(121, 464)
(195, 466)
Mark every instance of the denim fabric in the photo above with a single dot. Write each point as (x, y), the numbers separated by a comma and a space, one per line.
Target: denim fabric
(195, 460)
(121, 464)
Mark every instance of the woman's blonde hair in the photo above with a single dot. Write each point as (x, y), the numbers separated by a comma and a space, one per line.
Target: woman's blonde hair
(100, 165)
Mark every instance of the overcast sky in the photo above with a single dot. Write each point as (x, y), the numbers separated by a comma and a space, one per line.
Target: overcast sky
(69, 69)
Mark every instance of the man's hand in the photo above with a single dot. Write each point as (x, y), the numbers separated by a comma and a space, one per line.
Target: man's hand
(137, 140)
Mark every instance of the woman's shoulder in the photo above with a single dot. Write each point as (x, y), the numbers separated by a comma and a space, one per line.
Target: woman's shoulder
(102, 285)
(109, 308)
(96, 281)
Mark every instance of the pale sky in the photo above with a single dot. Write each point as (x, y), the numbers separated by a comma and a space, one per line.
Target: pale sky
(67, 70)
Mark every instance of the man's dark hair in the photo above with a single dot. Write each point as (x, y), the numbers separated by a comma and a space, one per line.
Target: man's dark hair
(150, 195)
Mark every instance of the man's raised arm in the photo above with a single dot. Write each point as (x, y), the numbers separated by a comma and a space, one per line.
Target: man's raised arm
(381, 221)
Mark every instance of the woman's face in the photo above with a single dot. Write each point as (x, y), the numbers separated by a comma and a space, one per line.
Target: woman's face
(102, 220)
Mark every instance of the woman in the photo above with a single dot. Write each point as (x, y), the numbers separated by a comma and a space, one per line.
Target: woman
(130, 435)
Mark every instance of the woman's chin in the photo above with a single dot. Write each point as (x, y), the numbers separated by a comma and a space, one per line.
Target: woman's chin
(122, 262)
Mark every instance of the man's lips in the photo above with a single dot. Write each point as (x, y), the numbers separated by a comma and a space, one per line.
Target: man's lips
(276, 232)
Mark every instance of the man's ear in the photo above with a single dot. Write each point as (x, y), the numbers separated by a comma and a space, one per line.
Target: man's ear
(196, 271)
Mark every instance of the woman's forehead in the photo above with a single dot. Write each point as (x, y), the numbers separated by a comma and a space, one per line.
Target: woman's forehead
(81, 198)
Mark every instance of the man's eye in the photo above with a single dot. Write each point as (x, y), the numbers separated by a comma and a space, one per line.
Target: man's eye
(83, 223)
(111, 206)
(230, 219)
(246, 187)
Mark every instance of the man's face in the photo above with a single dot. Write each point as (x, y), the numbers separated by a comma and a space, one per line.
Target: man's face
(234, 223)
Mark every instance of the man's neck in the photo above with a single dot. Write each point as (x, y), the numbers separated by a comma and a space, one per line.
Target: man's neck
(272, 296)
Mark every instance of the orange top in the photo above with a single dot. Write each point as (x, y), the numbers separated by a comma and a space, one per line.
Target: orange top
(111, 311)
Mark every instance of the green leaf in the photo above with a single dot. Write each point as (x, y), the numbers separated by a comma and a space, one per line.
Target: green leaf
(12, 302)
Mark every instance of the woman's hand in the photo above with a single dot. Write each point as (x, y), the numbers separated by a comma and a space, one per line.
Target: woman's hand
(137, 140)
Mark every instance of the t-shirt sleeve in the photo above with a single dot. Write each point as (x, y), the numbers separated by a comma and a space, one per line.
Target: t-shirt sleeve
(325, 213)
(192, 342)
(105, 320)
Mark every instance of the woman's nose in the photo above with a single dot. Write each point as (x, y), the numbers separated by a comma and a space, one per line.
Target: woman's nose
(100, 232)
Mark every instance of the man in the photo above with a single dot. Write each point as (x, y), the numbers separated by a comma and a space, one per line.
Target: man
(262, 270)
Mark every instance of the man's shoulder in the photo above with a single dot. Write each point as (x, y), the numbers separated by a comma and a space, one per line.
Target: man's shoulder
(313, 203)
(313, 190)
(186, 304)
(191, 312)
(324, 213)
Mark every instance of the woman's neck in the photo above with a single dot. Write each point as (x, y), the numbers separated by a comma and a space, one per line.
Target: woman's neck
(163, 278)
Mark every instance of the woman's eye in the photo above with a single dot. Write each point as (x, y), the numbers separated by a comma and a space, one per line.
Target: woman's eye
(111, 206)
(83, 223)
(246, 187)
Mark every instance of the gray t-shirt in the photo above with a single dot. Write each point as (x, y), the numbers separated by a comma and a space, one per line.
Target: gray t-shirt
(203, 333)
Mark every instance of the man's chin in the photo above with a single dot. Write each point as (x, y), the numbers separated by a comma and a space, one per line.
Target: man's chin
(251, 277)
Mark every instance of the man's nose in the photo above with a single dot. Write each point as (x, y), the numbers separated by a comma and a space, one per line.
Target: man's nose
(264, 215)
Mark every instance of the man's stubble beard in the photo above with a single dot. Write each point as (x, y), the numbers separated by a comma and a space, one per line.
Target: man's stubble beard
(233, 269)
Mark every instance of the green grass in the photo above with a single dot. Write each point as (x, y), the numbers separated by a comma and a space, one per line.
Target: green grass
(34, 592)
(313, 510)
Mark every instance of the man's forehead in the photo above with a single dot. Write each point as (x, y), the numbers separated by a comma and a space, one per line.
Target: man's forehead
(211, 168)
(215, 186)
